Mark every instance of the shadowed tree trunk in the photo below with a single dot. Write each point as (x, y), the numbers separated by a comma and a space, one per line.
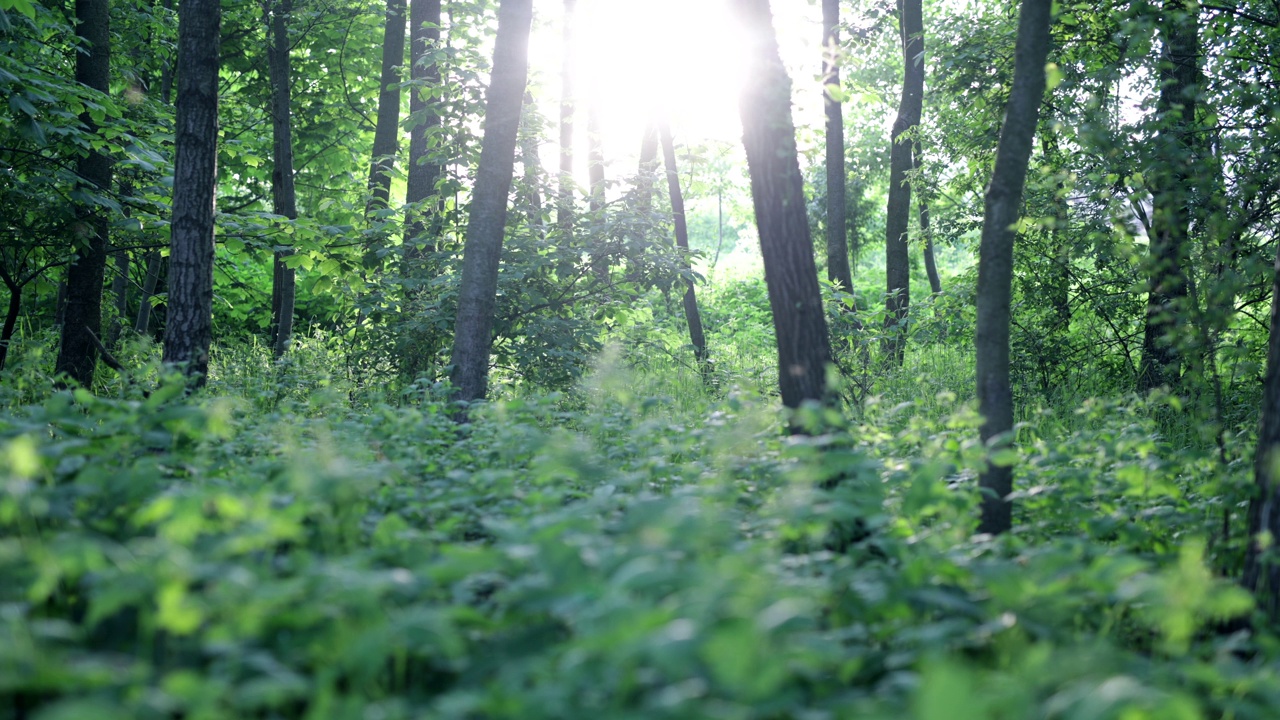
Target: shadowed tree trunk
(922, 208)
(15, 287)
(386, 132)
(1174, 170)
(142, 324)
(119, 292)
(691, 314)
(1262, 568)
(477, 290)
(564, 204)
(838, 270)
(424, 171)
(995, 261)
(284, 199)
(897, 255)
(777, 193)
(82, 319)
(189, 327)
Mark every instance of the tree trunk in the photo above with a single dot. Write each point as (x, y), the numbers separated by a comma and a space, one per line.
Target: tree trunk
(838, 271)
(995, 256)
(1261, 569)
(648, 167)
(10, 319)
(477, 290)
(82, 321)
(120, 294)
(284, 198)
(386, 132)
(922, 208)
(189, 328)
(142, 325)
(897, 255)
(532, 166)
(691, 314)
(564, 204)
(424, 171)
(777, 193)
(1174, 170)
(595, 159)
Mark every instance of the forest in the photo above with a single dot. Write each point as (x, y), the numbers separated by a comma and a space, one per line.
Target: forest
(736, 359)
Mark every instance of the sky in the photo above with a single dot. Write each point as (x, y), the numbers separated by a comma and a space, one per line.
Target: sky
(637, 59)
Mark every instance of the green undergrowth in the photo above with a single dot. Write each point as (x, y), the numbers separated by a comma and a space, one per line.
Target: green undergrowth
(634, 549)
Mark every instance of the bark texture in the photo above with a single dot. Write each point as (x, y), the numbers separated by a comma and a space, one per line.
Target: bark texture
(284, 198)
(838, 270)
(898, 213)
(1173, 177)
(189, 326)
(691, 315)
(777, 193)
(10, 317)
(995, 256)
(477, 291)
(424, 170)
(386, 132)
(564, 203)
(1261, 570)
(82, 318)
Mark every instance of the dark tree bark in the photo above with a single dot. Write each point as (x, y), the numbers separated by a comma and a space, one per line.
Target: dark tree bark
(1172, 179)
(898, 214)
(119, 294)
(564, 203)
(995, 255)
(189, 328)
(477, 291)
(386, 132)
(922, 209)
(142, 324)
(777, 192)
(691, 314)
(1262, 568)
(82, 319)
(284, 198)
(11, 316)
(838, 270)
(424, 171)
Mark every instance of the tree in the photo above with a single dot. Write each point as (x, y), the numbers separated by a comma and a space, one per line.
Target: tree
(477, 290)
(284, 199)
(1262, 572)
(386, 134)
(995, 256)
(1172, 178)
(898, 214)
(777, 193)
(189, 328)
(691, 314)
(838, 270)
(424, 118)
(82, 322)
(564, 203)
(922, 210)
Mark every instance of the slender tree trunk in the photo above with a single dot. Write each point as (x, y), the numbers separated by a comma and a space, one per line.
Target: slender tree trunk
(1175, 169)
(595, 159)
(424, 170)
(777, 192)
(838, 271)
(995, 261)
(647, 168)
(284, 198)
(386, 133)
(897, 254)
(691, 314)
(142, 324)
(189, 327)
(477, 290)
(1261, 569)
(10, 319)
(532, 166)
(78, 355)
(922, 208)
(564, 204)
(120, 294)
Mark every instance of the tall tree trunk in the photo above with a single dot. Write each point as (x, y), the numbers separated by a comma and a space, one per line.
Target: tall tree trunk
(10, 318)
(691, 314)
(284, 198)
(1261, 569)
(564, 204)
(1174, 170)
(386, 132)
(189, 327)
(838, 270)
(119, 294)
(595, 158)
(648, 167)
(424, 170)
(897, 255)
(142, 324)
(478, 288)
(777, 193)
(78, 354)
(532, 166)
(922, 209)
(995, 255)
